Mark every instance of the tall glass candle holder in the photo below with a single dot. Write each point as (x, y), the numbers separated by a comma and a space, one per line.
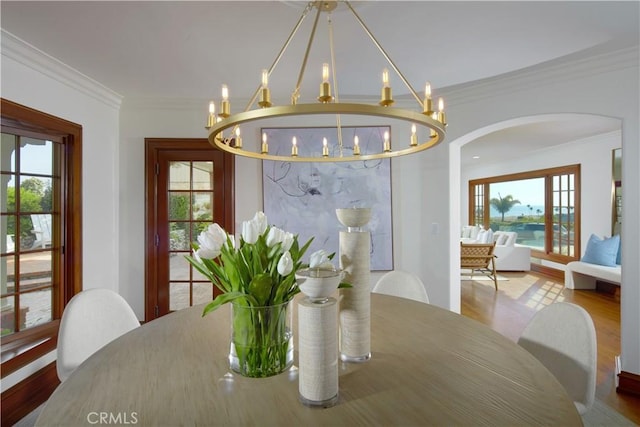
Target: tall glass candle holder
(355, 306)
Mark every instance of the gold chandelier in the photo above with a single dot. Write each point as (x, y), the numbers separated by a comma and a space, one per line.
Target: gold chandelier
(433, 121)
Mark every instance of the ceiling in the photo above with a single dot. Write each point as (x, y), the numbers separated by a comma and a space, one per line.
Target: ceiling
(180, 49)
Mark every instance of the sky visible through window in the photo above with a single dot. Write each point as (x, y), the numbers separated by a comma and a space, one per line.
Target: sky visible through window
(530, 193)
(34, 160)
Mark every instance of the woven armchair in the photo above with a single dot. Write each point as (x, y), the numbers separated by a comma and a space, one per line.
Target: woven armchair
(479, 257)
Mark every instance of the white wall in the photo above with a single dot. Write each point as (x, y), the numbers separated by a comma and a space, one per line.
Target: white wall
(31, 78)
(594, 154)
(142, 119)
(606, 85)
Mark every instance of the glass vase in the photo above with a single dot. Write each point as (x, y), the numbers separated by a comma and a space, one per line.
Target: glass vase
(261, 340)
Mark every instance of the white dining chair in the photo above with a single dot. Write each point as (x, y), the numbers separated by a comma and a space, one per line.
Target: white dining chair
(402, 284)
(562, 336)
(92, 319)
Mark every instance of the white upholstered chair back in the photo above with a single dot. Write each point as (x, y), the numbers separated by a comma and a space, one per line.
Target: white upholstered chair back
(562, 336)
(92, 319)
(402, 284)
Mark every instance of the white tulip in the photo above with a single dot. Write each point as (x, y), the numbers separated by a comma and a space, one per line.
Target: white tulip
(285, 265)
(287, 241)
(277, 235)
(274, 236)
(320, 259)
(253, 228)
(250, 232)
(210, 242)
(260, 219)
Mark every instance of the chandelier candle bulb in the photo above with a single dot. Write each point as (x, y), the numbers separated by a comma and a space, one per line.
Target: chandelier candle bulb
(325, 87)
(265, 96)
(325, 148)
(441, 117)
(238, 143)
(414, 137)
(386, 98)
(212, 114)
(387, 144)
(356, 146)
(427, 105)
(265, 146)
(225, 107)
(385, 78)
(294, 147)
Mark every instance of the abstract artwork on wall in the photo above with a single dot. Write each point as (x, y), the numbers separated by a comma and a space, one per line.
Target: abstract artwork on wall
(302, 197)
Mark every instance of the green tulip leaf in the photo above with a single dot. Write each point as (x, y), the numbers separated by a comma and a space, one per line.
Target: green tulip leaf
(260, 288)
(222, 299)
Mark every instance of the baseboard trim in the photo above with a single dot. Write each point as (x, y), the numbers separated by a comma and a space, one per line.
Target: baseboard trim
(628, 383)
(548, 271)
(28, 394)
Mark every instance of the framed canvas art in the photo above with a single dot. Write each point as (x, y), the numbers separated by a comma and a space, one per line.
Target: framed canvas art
(302, 197)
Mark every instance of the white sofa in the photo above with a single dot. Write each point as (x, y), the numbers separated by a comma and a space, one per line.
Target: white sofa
(583, 275)
(509, 255)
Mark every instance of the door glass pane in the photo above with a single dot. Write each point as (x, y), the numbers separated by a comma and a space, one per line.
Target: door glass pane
(203, 175)
(197, 228)
(35, 270)
(7, 194)
(178, 295)
(179, 206)
(179, 176)
(178, 267)
(202, 206)
(478, 217)
(197, 275)
(35, 308)
(202, 292)
(179, 236)
(41, 230)
(36, 156)
(7, 270)
(7, 157)
(7, 312)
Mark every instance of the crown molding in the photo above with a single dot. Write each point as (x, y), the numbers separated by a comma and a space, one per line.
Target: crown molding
(552, 72)
(28, 55)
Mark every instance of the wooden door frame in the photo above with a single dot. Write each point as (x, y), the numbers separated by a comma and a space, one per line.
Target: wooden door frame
(153, 146)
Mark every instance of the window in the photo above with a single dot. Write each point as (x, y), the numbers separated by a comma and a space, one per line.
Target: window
(40, 238)
(30, 175)
(541, 206)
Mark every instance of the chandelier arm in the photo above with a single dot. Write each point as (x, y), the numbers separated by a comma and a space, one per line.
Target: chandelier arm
(306, 52)
(384, 53)
(282, 50)
(335, 82)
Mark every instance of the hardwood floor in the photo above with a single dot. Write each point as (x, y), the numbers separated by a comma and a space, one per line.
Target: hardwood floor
(508, 311)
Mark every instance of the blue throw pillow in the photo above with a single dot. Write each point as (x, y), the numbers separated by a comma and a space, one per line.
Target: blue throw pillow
(602, 251)
(619, 256)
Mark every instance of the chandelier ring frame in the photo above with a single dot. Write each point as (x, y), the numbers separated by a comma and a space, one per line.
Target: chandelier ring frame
(216, 130)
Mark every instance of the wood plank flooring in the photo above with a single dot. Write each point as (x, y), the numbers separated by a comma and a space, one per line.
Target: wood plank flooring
(510, 308)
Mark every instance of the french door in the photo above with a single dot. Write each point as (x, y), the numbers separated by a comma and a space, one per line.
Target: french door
(189, 185)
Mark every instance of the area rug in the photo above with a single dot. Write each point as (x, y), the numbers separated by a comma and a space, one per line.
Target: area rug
(602, 415)
(464, 275)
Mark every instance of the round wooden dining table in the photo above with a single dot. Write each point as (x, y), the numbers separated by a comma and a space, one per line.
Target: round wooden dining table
(429, 366)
